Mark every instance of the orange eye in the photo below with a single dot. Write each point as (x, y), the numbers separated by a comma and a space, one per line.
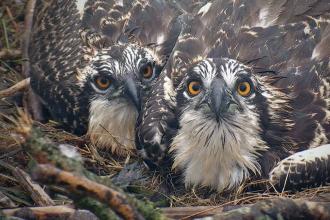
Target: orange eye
(244, 89)
(147, 71)
(102, 82)
(194, 88)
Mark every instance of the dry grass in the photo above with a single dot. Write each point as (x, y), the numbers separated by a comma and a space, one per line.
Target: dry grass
(102, 163)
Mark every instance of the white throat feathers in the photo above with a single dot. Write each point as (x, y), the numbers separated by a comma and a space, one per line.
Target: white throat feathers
(112, 125)
(217, 154)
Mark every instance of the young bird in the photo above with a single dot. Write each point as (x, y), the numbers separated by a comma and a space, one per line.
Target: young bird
(94, 62)
(247, 92)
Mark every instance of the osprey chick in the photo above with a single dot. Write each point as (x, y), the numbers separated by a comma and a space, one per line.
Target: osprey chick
(248, 94)
(93, 62)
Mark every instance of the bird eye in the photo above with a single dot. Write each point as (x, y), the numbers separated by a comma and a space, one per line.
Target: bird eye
(147, 71)
(244, 89)
(194, 88)
(102, 82)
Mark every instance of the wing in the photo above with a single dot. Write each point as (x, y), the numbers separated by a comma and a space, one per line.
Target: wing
(157, 123)
(154, 24)
(103, 21)
(298, 53)
(56, 51)
(191, 6)
(261, 13)
(65, 36)
(302, 170)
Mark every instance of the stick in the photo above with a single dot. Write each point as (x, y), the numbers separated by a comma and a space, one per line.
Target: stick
(38, 195)
(50, 212)
(28, 21)
(31, 102)
(6, 202)
(81, 186)
(10, 54)
(22, 85)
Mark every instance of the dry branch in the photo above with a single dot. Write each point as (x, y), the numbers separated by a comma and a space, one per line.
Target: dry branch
(81, 186)
(44, 151)
(10, 54)
(6, 202)
(31, 102)
(20, 86)
(51, 212)
(39, 196)
(28, 22)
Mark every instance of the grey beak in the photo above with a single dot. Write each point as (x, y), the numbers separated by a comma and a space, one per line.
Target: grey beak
(220, 98)
(133, 92)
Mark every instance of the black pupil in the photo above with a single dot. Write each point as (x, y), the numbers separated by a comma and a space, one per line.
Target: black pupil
(103, 81)
(196, 87)
(146, 71)
(243, 87)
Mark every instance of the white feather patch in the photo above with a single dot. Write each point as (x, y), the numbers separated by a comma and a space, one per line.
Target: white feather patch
(198, 150)
(204, 9)
(80, 6)
(112, 125)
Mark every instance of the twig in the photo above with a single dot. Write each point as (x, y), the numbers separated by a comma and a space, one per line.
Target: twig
(32, 104)
(6, 202)
(10, 54)
(28, 21)
(22, 85)
(4, 27)
(48, 174)
(31, 101)
(12, 18)
(50, 212)
(39, 196)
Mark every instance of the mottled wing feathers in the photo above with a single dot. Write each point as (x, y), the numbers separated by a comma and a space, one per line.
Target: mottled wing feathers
(106, 20)
(154, 24)
(53, 45)
(191, 6)
(261, 13)
(309, 168)
(294, 54)
(56, 52)
(157, 124)
(191, 45)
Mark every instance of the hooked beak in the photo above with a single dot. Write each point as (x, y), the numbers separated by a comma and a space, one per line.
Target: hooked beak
(133, 92)
(220, 98)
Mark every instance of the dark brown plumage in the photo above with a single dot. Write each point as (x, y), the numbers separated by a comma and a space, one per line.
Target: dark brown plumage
(93, 62)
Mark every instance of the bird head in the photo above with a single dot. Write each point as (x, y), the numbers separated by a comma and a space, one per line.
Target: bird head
(227, 115)
(117, 78)
(221, 89)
